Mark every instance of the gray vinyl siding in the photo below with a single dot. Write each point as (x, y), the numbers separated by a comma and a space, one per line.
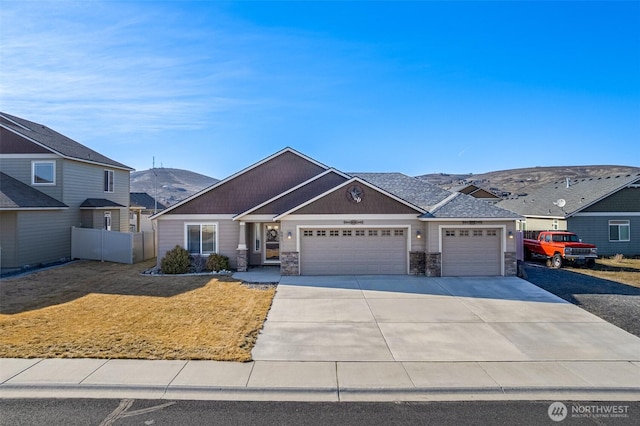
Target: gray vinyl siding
(625, 200)
(171, 233)
(82, 181)
(21, 168)
(595, 230)
(8, 242)
(45, 236)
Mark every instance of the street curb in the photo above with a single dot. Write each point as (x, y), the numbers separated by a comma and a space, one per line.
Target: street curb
(316, 394)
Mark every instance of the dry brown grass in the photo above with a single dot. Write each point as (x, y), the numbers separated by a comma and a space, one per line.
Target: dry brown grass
(105, 310)
(625, 271)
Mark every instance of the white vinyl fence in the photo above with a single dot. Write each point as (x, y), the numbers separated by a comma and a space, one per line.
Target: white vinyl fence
(112, 246)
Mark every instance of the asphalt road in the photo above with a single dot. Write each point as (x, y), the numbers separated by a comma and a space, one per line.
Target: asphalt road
(616, 303)
(107, 412)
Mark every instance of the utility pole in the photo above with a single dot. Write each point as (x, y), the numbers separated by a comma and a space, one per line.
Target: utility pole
(155, 186)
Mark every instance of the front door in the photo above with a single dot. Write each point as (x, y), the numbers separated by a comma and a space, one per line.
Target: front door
(272, 243)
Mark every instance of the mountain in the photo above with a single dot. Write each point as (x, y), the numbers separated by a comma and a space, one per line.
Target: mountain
(173, 185)
(520, 181)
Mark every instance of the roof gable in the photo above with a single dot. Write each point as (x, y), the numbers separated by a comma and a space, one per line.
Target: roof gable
(299, 194)
(55, 142)
(413, 190)
(339, 200)
(252, 186)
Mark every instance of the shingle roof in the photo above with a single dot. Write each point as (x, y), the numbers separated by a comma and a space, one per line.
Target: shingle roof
(438, 202)
(142, 199)
(462, 206)
(579, 194)
(55, 141)
(15, 195)
(92, 203)
(415, 191)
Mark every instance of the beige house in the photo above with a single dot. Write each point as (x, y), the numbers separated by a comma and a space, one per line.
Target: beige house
(307, 218)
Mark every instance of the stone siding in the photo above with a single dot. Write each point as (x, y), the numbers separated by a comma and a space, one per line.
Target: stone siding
(241, 261)
(290, 263)
(434, 264)
(510, 263)
(417, 263)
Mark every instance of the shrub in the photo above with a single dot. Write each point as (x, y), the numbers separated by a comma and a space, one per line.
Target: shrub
(618, 257)
(175, 261)
(198, 263)
(217, 262)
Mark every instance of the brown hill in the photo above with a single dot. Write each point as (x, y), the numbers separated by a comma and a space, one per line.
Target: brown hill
(172, 185)
(519, 181)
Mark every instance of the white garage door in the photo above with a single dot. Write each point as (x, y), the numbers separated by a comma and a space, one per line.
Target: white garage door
(471, 252)
(326, 251)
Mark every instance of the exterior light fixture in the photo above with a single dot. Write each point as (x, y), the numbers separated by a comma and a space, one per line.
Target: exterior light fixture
(418, 234)
(510, 235)
(289, 235)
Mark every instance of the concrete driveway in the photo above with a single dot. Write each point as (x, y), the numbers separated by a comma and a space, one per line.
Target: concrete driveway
(408, 318)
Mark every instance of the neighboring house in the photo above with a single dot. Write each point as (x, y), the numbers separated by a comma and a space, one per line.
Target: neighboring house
(476, 192)
(49, 184)
(604, 211)
(292, 211)
(141, 207)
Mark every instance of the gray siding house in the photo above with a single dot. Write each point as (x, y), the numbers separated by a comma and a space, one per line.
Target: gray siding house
(49, 184)
(604, 211)
(291, 211)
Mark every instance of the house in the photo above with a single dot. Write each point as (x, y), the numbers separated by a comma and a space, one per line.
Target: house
(604, 211)
(141, 207)
(50, 183)
(476, 192)
(295, 212)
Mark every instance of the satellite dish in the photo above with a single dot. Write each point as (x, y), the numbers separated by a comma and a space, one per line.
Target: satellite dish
(561, 203)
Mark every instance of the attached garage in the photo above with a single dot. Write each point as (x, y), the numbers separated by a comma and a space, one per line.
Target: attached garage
(471, 252)
(357, 251)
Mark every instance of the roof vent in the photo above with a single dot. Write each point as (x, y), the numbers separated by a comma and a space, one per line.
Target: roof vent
(568, 182)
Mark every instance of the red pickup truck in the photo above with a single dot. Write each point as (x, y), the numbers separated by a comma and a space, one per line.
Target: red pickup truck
(558, 247)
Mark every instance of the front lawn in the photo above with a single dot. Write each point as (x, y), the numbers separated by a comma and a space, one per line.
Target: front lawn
(625, 271)
(92, 309)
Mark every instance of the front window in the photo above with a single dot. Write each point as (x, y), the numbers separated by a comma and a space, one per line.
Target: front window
(619, 230)
(201, 238)
(43, 173)
(108, 181)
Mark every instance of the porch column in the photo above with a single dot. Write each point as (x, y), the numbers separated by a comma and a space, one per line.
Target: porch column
(242, 248)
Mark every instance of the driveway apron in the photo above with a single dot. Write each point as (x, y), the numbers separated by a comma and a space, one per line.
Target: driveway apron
(409, 318)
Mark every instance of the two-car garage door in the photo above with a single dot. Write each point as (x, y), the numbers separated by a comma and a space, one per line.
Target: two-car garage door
(358, 251)
(471, 252)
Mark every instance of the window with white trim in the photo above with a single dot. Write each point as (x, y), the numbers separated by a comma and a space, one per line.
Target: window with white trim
(619, 230)
(334, 233)
(477, 232)
(108, 181)
(373, 232)
(307, 233)
(359, 232)
(43, 172)
(386, 232)
(321, 233)
(492, 233)
(464, 232)
(398, 232)
(201, 238)
(346, 233)
(449, 233)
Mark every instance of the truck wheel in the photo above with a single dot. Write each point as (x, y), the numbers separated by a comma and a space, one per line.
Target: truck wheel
(556, 261)
(527, 255)
(591, 263)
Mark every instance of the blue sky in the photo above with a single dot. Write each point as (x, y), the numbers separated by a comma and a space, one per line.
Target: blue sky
(409, 86)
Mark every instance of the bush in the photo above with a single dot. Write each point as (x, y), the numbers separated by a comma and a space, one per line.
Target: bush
(198, 263)
(217, 262)
(618, 257)
(175, 261)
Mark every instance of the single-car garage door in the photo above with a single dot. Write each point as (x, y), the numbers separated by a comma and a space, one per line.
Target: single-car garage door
(375, 251)
(471, 252)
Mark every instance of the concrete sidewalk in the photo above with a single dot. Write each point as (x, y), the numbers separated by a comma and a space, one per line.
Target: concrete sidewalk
(319, 381)
(378, 339)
